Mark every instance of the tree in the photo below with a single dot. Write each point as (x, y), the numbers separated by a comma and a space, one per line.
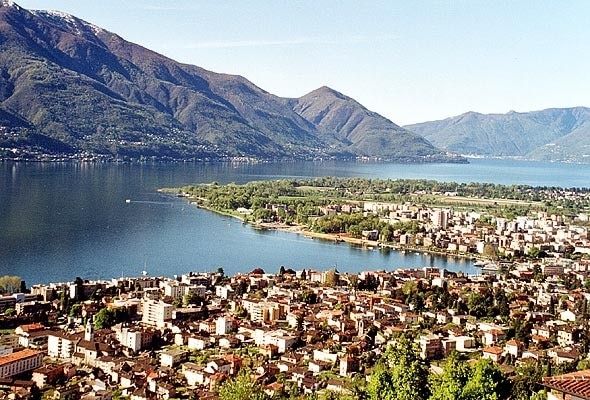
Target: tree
(534, 252)
(449, 385)
(309, 297)
(241, 388)
(490, 251)
(527, 380)
(9, 312)
(76, 310)
(380, 385)
(192, 298)
(405, 379)
(10, 284)
(108, 317)
(331, 278)
(64, 300)
(487, 382)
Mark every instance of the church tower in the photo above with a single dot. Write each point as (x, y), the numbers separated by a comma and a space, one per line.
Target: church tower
(89, 331)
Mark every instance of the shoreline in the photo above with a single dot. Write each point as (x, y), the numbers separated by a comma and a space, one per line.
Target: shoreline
(337, 238)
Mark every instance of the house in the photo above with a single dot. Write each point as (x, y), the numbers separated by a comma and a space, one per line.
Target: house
(562, 355)
(567, 336)
(280, 338)
(464, 343)
(219, 365)
(317, 366)
(170, 358)
(32, 336)
(274, 390)
(575, 385)
(338, 386)
(493, 336)
(49, 374)
(349, 365)
(493, 353)
(514, 347)
(567, 315)
(194, 374)
(430, 347)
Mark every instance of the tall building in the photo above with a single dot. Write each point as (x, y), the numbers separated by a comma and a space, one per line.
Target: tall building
(156, 313)
(440, 218)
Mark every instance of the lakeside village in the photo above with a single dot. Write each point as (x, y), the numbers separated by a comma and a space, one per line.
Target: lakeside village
(319, 334)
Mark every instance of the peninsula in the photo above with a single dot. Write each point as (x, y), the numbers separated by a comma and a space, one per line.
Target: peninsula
(490, 222)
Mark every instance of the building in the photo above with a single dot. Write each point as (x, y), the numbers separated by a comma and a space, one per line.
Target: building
(282, 339)
(430, 347)
(129, 337)
(223, 326)
(174, 289)
(348, 365)
(170, 358)
(575, 385)
(32, 335)
(156, 313)
(262, 311)
(20, 362)
(61, 344)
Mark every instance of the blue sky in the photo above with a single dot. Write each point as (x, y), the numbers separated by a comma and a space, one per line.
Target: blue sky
(410, 61)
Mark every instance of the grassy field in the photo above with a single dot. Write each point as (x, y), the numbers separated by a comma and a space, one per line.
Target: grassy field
(485, 202)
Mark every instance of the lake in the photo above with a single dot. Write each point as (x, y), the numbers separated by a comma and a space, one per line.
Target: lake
(59, 221)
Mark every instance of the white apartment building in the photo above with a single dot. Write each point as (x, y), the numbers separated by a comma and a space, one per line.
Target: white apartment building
(156, 313)
(223, 326)
(278, 338)
(61, 344)
(129, 337)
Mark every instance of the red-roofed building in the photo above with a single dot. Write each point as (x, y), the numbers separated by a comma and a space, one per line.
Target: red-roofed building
(575, 385)
(19, 362)
(494, 353)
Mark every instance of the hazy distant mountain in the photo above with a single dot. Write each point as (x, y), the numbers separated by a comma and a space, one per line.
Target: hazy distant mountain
(556, 134)
(67, 86)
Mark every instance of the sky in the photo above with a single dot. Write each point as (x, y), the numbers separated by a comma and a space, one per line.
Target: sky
(410, 61)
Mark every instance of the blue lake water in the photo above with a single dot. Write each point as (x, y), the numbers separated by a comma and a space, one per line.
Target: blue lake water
(59, 221)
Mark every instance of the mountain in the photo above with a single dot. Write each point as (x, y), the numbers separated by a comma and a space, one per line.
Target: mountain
(555, 134)
(365, 132)
(69, 88)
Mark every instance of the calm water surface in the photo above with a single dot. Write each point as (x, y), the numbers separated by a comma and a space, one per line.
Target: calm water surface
(59, 221)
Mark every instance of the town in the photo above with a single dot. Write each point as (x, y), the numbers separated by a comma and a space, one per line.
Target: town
(309, 333)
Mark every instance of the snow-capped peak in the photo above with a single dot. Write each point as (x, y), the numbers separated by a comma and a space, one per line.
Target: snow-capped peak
(9, 3)
(75, 23)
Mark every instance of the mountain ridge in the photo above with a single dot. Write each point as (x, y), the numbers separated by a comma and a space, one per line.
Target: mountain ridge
(553, 134)
(89, 93)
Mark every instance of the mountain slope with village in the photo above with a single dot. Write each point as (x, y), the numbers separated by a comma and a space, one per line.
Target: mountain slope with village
(70, 88)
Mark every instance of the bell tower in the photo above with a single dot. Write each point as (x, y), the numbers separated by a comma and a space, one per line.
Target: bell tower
(89, 331)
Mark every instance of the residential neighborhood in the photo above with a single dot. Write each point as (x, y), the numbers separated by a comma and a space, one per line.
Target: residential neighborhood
(297, 333)
(304, 331)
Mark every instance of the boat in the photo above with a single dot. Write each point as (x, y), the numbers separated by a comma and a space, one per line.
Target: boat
(128, 201)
